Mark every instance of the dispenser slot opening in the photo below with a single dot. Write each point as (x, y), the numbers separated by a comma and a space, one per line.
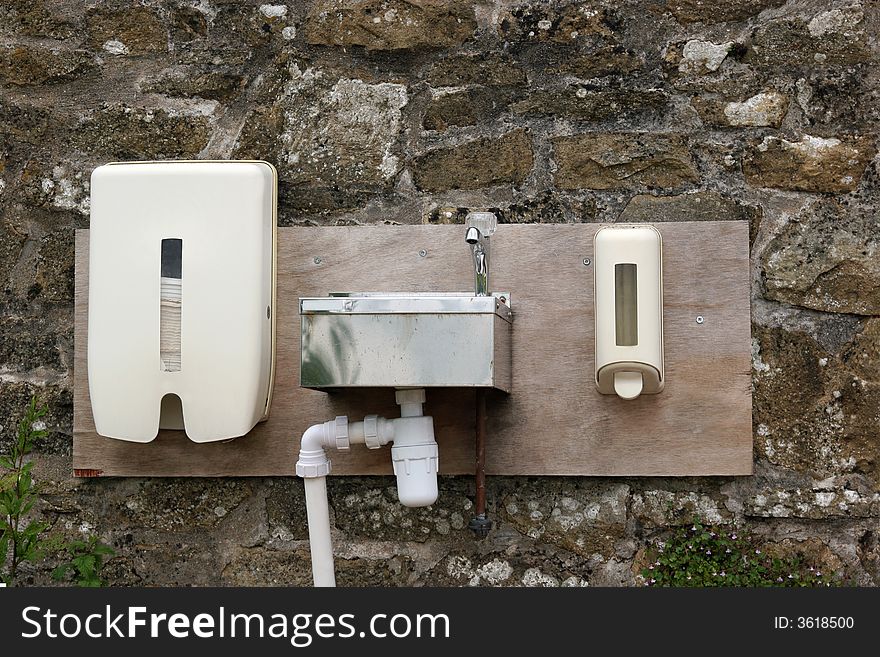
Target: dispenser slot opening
(171, 412)
(626, 306)
(170, 286)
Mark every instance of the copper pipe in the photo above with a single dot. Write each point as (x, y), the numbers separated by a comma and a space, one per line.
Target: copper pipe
(480, 470)
(480, 524)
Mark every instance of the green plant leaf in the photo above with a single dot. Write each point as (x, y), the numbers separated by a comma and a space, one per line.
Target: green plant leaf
(84, 563)
(60, 572)
(8, 482)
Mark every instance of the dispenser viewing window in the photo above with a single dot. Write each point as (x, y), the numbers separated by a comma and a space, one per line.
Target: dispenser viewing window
(181, 330)
(628, 297)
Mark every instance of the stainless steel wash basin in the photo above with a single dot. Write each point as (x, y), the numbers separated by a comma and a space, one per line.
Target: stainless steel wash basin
(426, 340)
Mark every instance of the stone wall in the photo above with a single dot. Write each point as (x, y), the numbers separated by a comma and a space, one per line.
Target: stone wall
(385, 112)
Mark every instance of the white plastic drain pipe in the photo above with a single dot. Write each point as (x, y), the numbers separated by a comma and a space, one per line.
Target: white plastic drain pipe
(414, 457)
(320, 544)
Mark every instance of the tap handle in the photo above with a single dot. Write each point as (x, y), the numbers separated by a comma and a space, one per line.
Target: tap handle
(485, 222)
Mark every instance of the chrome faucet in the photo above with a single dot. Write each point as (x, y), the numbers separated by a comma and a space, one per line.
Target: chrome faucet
(480, 227)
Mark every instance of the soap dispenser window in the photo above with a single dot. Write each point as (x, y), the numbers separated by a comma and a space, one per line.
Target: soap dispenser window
(626, 306)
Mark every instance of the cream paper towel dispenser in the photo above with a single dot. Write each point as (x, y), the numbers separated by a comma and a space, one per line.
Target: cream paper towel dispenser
(181, 322)
(628, 297)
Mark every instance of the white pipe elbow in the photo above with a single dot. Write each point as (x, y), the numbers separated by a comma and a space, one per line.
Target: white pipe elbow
(313, 461)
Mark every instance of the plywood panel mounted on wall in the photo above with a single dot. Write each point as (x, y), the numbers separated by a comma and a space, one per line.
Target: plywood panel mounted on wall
(554, 422)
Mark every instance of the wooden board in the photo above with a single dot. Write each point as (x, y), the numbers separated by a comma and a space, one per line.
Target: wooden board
(554, 422)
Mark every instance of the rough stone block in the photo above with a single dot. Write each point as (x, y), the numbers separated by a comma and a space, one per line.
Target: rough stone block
(128, 133)
(479, 163)
(29, 343)
(366, 510)
(839, 100)
(623, 161)
(334, 140)
(605, 61)
(490, 69)
(531, 568)
(763, 110)
(558, 23)
(37, 18)
(219, 83)
(836, 37)
(812, 413)
(126, 29)
(28, 65)
(584, 104)
(822, 501)
(286, 509)
(718, 11)
(260, 566)
(584, 519)
(465, 107)
(25, 123)
(168, 505)
(662, 508)
(825, 258)
(390, 24)
(812, 164)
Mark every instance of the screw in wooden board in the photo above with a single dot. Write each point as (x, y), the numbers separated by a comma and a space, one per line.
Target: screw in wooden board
(318, 260)
(700, 319)
(422, 253)
(587, 262)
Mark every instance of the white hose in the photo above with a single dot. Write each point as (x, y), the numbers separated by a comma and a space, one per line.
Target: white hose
(318, 512)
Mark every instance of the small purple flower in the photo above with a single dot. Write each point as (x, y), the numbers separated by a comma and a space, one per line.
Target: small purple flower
(694, 528)
(757, 552)
(723, 574)
(689, 578)
(651, 567)
(791, 577)
(653, 580)
(733, 536)
(778, 579)
(727, 551)
(708, 551)
(818, 574)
